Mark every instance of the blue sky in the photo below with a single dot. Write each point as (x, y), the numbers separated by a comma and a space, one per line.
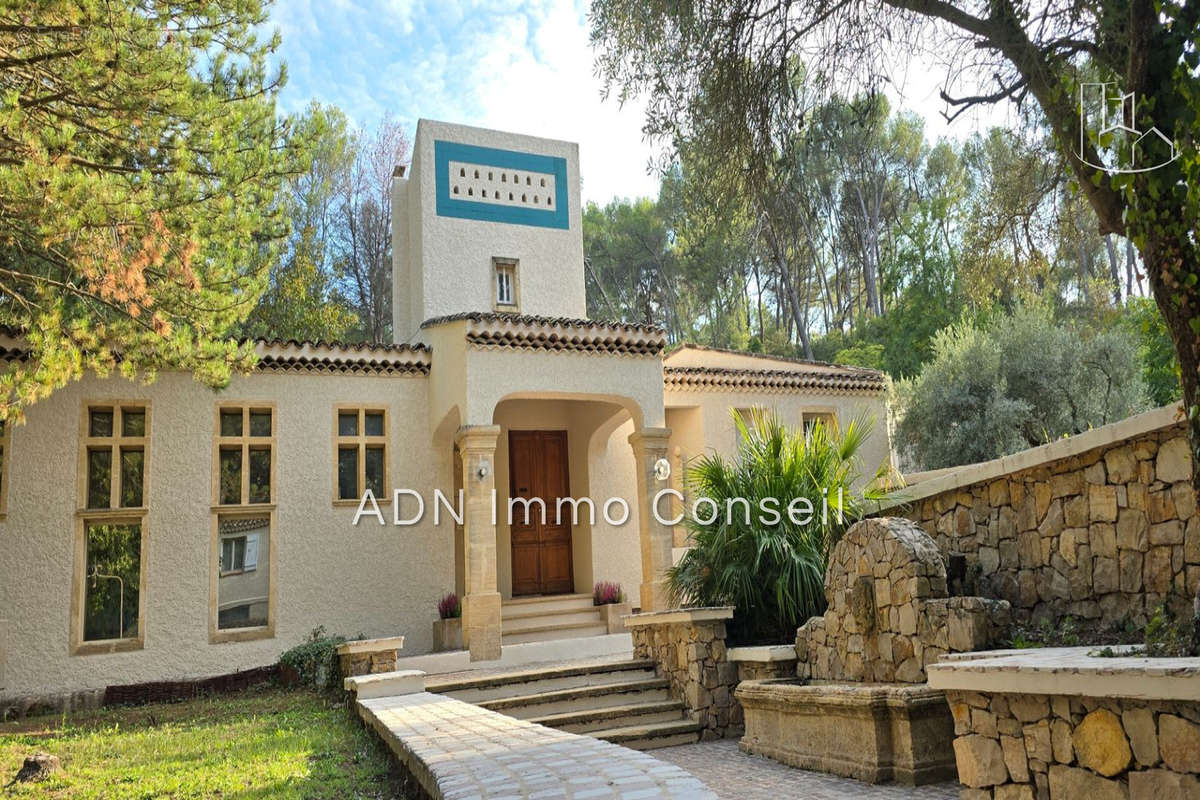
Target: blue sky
(523, 66)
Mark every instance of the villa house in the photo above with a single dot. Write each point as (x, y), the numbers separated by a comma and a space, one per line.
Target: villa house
(165, 532)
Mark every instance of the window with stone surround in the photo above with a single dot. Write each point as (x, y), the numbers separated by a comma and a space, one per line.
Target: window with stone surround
(243, 589)
(242, 567)
(113, 456)
(810, 418)
(244, 455)
(506, 293)
(109, 587)
(360, 453)
(108, 601)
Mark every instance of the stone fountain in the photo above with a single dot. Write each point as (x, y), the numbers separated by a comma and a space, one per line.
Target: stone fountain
(859, 705)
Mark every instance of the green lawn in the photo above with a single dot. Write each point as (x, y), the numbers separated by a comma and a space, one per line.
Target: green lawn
(262, 743)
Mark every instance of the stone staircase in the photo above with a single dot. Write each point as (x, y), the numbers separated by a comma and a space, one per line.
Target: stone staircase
(618, 701)
(548, 617)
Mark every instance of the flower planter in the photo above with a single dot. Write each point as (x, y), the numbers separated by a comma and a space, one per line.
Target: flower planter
(447, 634)
(612, 614)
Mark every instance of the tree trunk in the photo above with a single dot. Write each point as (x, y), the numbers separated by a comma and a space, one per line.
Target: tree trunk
(1113, 269)
(1179, 306)
(1129, 260)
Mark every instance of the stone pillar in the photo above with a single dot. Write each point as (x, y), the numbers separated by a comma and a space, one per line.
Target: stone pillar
(481, 601)
(649, 445)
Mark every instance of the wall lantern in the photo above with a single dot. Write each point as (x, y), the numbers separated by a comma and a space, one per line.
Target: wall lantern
(662, 469)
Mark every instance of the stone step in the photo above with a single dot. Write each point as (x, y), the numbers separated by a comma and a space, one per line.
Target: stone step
(601, 719)
(652, 736)
(554, 630)
(535, 680)
(548, 603)
(515, 623)
(578, 699)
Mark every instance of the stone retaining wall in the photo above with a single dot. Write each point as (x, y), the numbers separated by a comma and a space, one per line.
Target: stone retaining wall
(1102, 526)
(1046, 747)
(688, 649)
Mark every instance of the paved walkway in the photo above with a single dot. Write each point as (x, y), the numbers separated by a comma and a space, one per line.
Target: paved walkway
(734, 775)
(458, 751)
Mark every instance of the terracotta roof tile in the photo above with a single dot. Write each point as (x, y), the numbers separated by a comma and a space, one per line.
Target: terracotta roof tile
(556, 334)
(838, 381)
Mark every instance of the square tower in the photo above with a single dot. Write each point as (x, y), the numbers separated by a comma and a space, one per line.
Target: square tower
(486, 221)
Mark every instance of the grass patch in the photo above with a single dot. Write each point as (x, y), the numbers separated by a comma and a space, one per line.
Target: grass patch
(262, 743)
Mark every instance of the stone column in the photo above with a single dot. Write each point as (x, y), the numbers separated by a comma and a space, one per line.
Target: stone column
(481, 602)
(649, 445)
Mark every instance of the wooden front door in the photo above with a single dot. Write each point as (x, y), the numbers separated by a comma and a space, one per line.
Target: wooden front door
(541, 552)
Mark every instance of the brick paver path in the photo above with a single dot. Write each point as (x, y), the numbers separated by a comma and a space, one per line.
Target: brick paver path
(734, 775)
(459, 751)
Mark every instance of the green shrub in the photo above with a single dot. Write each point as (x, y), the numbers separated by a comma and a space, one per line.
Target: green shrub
(771, 572)
(1169, 635)
(315, 661)
(1156, 353)
(1020, 382)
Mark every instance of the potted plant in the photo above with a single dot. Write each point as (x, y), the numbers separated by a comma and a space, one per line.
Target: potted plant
(610, 598)
(447, 628)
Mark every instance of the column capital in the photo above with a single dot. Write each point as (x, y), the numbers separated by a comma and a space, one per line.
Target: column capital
(650, 437)
(477, 437)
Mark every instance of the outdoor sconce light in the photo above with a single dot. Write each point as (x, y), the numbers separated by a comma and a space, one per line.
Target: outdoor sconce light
(662, 469)
(484, 469)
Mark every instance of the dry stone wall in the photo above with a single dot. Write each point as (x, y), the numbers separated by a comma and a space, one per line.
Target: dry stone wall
(1106, 534)
(888, 615)
(688, 649)
(1046, 747)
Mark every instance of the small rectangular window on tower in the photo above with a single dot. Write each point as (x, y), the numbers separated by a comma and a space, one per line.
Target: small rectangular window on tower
(505, 270)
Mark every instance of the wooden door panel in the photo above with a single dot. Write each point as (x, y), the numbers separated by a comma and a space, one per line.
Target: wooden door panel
(523, 468)
(541, 550)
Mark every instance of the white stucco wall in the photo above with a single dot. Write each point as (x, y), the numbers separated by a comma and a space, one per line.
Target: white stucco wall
(370, 580)
(709, 419)
(450, 258)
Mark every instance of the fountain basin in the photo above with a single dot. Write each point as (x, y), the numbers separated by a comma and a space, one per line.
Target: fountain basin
(872, 732)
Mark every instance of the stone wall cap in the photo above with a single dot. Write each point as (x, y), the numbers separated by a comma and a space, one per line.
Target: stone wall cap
(838, 693)
(677, 616)
(763, 653)
(371, 645)
(1069, 671)
(385, 684)
(985, 471)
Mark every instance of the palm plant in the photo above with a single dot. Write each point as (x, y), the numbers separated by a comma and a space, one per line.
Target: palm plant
(771, 571)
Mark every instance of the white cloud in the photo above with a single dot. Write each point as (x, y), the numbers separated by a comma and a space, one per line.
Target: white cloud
(541, 82)
(506, 64)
